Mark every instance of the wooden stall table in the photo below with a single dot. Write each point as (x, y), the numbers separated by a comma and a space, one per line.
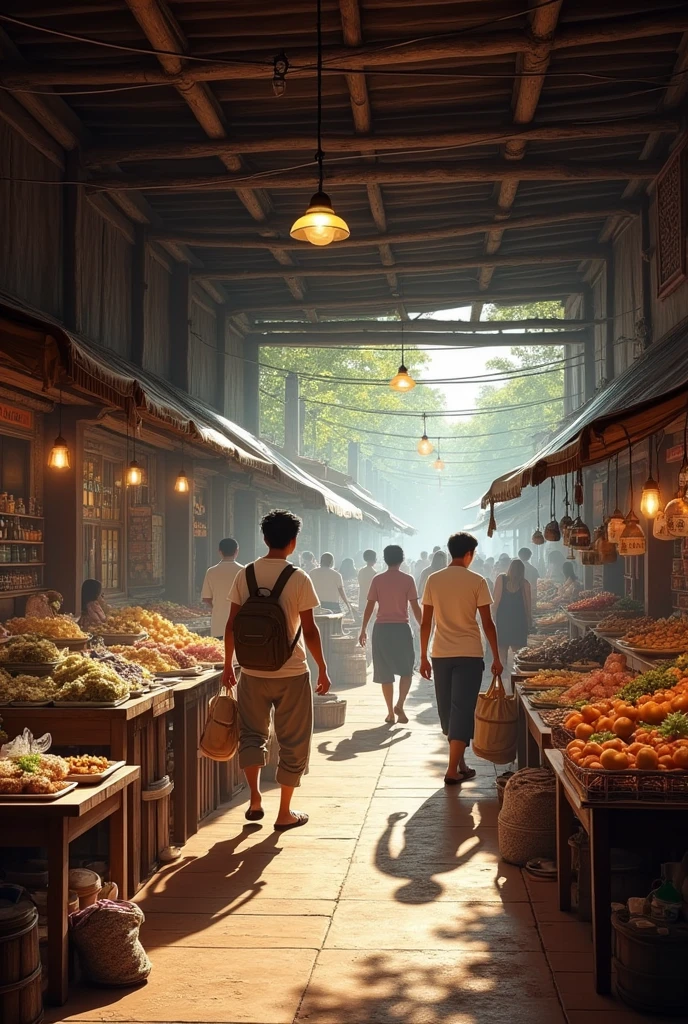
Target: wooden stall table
(658, 825)
(534, 736)
(578, 627)
(134, 732)
(55, 824)
(200, 784)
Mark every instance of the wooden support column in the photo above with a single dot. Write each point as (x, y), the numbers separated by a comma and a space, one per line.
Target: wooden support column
(138, 295)
(178, 534)
(589, 382)
(292, 416)
(221, 358)
(62, 496)
(218, 513)
(610, 335)
(251, 386)
(179, 325)
(245, 525)
(70, 206)
(646, 272)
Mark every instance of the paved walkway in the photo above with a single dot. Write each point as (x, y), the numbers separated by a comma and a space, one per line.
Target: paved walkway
(390, 907)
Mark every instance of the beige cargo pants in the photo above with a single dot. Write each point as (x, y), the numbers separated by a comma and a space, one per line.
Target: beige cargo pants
(292, 699)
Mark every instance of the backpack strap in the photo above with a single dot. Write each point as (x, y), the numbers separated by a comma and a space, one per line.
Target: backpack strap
(276, 593)
(251, 581)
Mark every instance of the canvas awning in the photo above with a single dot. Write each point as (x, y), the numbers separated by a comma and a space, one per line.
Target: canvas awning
(385, 517)
(643, 400)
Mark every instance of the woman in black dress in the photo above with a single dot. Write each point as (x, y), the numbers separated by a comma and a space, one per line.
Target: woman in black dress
(512, 607)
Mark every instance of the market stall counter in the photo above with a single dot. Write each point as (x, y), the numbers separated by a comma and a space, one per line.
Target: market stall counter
(534, 735)
(633, 823)
(56, 824)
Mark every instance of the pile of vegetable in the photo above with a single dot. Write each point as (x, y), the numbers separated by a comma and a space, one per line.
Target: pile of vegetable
(598, 603)
(662, 635)
(60, 627)
(600, 684)
(80, 678)
(28, 650)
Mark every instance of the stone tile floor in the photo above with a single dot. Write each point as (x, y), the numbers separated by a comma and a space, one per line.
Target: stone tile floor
(390, 907)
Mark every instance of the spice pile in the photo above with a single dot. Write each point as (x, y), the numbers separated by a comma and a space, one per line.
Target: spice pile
(26, 689)
(597, 603)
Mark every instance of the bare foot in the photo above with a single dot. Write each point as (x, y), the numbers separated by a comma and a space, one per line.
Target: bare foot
(390, 719)
(401, 715)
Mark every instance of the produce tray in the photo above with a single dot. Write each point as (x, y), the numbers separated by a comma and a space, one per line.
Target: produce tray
(19, 668)
(181, 673)
(600, 786)
(654, 651)
(31, 703)
(72, 643)
(92, 780)
(90, 703)
(122, 639)
(38, 797)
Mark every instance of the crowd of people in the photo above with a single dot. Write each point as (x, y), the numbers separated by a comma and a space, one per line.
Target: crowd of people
(440, 612)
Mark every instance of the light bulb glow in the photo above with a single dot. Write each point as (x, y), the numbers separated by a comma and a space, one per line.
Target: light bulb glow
(134, 474)
(181, 484)
(402, 380)
(650, 501)
(59, 454)
(438, 464)
(320, 225)
(425, 446)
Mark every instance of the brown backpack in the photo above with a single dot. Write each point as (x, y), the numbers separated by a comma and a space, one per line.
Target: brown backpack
(220, 739)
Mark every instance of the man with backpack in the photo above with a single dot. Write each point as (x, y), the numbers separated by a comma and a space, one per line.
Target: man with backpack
(270, 625)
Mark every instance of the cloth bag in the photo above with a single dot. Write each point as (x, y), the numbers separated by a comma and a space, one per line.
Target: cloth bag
(496, 724)
(106, 936)
(220, 739)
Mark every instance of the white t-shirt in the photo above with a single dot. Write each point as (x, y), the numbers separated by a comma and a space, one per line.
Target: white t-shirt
(365, 578)
(298, 596)
(217, 586)
(455, 594)
(327, 583)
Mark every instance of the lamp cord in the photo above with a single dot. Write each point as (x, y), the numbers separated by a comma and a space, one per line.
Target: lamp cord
(319, 154)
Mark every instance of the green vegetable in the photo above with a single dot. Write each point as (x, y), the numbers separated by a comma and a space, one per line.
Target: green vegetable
(29, 763)
(602, 737)
(627, 604)
(648, 682)
(675, 726)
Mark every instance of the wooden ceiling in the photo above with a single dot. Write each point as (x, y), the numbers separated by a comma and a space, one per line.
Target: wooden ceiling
(477, 148)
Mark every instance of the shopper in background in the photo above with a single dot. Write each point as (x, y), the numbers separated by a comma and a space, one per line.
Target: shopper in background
(393, 591)
(308, 562)
(218, 583)
(513, 609)
(92, 606)
(452, 600)
(347, 570)
(532, 575)
(439, 561)
(365, 577)
(555, 566)
(329, 585)
(422, 563)
(572, 586)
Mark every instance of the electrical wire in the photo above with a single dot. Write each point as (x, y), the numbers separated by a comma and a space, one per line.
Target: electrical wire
(439, 412)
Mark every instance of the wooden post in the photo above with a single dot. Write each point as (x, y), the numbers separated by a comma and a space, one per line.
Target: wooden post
(62, 496)
(610, 336)
(646, 272)
(179, 325)
(70, 206)
(251, 386)
(138, 295)
(245, 525)
(221, 359)
(178, 534)
(218, 513)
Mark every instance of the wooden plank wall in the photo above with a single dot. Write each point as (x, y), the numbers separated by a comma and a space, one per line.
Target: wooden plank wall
(628, 295)
(667, 312)
(202, 348)
(156, 316)
(234, 375)
(103, 280)
(30, 215)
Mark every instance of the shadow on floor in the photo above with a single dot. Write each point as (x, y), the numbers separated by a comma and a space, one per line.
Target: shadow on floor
(363, 741)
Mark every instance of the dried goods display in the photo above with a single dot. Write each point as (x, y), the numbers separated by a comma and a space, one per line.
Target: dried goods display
(618, 623)
(131, 621)
(596, 603)
(32, 774)
(153, 660)
(552, 619)
(207, 650)
(87, 764)
(548, 678)
(136, 675)
(29, 650)
(180, 658)
(178, 612)
(581, 651)
(628, 604)
(27, 689)
(60, 627)
(548, 590)
(82, 679)
(662, 635)
(604, 682)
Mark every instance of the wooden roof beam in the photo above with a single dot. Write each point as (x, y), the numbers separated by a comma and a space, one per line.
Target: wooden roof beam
(531, 68)
(425, 328)
(432, 267)
(361, 58)
(448, 340)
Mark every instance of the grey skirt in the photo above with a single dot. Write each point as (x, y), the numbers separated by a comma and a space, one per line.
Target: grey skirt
(392, 651)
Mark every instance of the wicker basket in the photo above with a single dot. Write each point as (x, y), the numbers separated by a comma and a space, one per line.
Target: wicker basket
(526, 826)
(601, 786)
(329, 713)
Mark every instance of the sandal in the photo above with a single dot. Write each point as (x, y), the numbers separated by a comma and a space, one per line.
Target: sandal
(402, 718)
(254, 815)
(453, 782)
(300, 818)
(468, 773)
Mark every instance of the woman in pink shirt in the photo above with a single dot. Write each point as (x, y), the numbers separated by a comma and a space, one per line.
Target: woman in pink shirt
(393, 591)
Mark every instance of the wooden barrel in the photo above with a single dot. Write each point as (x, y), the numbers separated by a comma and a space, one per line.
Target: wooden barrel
(650, 968)
(20, 963)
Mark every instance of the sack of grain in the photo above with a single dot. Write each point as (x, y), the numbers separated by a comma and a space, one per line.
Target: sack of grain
(526, 826)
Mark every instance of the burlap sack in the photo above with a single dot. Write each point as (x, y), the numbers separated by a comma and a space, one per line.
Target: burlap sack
(106, 936)
(496, 725)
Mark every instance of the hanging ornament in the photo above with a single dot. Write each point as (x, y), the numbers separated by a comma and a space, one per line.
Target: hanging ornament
(566, 522)
(552, 530)
(579, 536)
(606, 551)
(617, 522)
(632, 541)
(425, 445)
(59, 457)
(676, 512)
(660, 530)
(538, 537)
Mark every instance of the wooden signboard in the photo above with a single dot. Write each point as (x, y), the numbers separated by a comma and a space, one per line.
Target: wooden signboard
(144, 546)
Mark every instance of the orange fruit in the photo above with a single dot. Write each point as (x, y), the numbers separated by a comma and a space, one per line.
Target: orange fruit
(647, 759)
(667, 761)
(592, 748)
(584, 731)
(617, 744)
(614, 760)
(605, 724)
(680, 703)
(664, 750)
(590, 713)
(572, 721)
(680, 758)
(652, 713)
(624, 728)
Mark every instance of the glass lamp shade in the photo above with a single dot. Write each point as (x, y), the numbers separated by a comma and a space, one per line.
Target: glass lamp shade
(632, 540)
(320, 225)
(615, 526)
(659, 527)
(553, 532)
(676, 514)
(181, 484)
(134, 474)
(59, 454)
(438, 464)
(650, 502)
(425, 445)
(538, 538)
(579, 536)
(402, 380)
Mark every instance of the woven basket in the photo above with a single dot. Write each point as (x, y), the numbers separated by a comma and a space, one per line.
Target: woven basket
(329, 714)
(526, 826)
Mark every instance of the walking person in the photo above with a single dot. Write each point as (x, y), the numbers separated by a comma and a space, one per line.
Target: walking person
(365, 577)
(393, 591)
(452, 600)
(218, 583)
(438, 561)
(532, 575)
(329, 585)
(269, 627)
(513, 609)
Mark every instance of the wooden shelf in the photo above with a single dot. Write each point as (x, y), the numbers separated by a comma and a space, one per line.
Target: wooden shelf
(20, 515)
(34, 542)
(13, 565)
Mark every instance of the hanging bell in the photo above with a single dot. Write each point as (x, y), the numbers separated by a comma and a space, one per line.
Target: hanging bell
(676, 515)
(615, 526)
(632, 540)
(537, 537)
(552, 532)
(579, 536)
(565, 524)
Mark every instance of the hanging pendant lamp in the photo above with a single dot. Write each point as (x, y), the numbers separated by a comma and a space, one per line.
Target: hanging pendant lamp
(438, 464)
(425, 445)
(134, 471)
(402, 380)
(617, 522)
(650, 500)
(553, 530)
(181, 484)
(59, 457)
(320, 225)
(676, 512)
(632, 540)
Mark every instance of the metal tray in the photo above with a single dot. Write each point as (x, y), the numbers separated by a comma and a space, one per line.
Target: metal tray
(31, 703)
(181, 673)
(655, 652)
(92, 780)
(38, 797)
(89, 703)
(122, 639)
(24, 668)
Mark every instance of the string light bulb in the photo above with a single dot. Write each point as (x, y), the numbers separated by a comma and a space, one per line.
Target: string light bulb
(402, 380)
(650, 501)
(438, 464)
(59, 457)
(319, 225)
(425, 445)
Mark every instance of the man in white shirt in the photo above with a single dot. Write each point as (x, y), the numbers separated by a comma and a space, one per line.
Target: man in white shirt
(287, 690)
(453, 598)
(365, 578)
(329, 585)
(218, 583)
(531, 574)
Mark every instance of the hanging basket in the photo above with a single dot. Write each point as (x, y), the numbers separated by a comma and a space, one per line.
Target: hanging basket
(579, 537)
(552, 532)
(589, 556)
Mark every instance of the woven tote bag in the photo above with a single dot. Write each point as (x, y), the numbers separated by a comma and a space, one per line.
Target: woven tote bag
(220, 739)
(496, 724)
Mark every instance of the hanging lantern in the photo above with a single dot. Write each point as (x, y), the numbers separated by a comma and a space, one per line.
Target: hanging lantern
(538, 537)
(632, 540)
(660, 530)
(578, 496)
(615, 526)
(589, 556)
(59, 453)
(579, 536)
(425, 445)
(650, 501)
(552, 530)
(134, 474)
(566, 522)
(606, 551)
(676, 515)
(438, 464)
(181, 484)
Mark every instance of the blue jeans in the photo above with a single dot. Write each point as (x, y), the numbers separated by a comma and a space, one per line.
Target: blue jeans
(457, 685)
